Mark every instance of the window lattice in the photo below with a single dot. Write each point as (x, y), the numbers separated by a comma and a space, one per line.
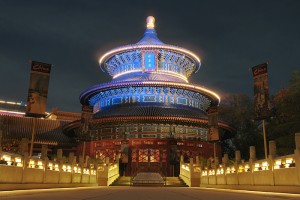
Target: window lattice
(143, 155)
(154, 155)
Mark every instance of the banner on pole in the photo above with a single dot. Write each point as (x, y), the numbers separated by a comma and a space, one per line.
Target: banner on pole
(38, 89)
(261, 91)
(212, 114)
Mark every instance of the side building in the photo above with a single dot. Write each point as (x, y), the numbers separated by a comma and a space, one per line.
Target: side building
(15, 127)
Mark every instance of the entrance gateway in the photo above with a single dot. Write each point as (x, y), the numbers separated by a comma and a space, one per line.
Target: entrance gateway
(149, 113)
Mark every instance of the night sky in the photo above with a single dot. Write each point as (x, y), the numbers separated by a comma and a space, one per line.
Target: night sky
(228, 36)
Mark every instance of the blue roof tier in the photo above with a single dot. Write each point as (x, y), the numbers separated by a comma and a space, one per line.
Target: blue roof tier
(150, 55)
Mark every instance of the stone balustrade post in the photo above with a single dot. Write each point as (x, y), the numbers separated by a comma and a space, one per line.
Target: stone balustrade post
(1, 136)
(297, 141)
(87, 161)
(225, 162)
(102, 174)
(191, 160)
(251, 161)
(25, 163)
(107, 160)
(252, 153)
(225, 159)
(237, 157)
(197, 160)
(297, 155)
(59, 155)
(272, 148)
(236, 165)
(181, 159)
(72, 162)
(45, 164)
(24, 146)
(44, 151)
(270, 160)
(60, 168)
(117, 161)
(118, 157)
(216, 159)
(71, 157)
(81, 162)
(208, 164)
(202, 165)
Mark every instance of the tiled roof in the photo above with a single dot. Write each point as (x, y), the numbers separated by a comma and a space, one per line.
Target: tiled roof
(47, 131)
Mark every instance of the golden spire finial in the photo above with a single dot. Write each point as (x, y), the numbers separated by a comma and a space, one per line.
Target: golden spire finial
(150, 22)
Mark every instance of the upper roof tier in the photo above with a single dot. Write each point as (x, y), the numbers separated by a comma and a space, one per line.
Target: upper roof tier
(150, 57)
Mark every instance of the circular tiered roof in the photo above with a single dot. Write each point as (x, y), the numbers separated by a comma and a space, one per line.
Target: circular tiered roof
(164, 59)
(149, 89)
(149, 72)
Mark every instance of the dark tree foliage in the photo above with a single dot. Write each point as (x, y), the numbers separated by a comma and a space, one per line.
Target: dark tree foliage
(237, 109)
(286, 116)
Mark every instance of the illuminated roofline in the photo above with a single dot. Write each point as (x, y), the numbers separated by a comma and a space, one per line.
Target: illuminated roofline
(112, 52)
(128, 72)
(120, 84)
(12, 112)
(172, 74)
(190, 86)
(11, 102)
(160, 72)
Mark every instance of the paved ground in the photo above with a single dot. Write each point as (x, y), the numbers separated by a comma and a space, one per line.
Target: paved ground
(141, 193)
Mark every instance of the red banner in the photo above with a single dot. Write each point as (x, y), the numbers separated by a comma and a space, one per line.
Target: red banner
(38, 89)
(261, 91)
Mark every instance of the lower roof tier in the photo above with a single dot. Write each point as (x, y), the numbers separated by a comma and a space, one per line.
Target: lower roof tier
(149, 92)
(150, 110)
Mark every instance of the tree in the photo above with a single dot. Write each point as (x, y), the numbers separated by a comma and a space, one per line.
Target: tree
(286, 116)
(238, 110)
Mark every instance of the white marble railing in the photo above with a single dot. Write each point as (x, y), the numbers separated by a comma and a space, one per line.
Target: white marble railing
(283, 170)
(108, 173)
(190, 173)
(16, 169)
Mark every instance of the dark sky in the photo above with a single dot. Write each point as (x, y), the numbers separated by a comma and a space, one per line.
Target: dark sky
(229, 37)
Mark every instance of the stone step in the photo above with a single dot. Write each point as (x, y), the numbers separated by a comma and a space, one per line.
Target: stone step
(175, 182)
(122, 181)
(170, 182)
(148, 179)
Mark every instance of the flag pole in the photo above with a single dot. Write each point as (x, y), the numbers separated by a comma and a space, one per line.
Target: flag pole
(215, 151)
(265, 138)
(32, 136)
(83, 150)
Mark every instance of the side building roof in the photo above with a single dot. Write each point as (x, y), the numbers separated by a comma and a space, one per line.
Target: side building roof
(48, 131)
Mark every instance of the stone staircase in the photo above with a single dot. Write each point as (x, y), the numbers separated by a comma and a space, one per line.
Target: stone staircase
(122, 181)
(175, 182)
(148, 179)
(170, 182)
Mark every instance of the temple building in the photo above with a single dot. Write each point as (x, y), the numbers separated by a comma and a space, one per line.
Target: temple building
(149, 113)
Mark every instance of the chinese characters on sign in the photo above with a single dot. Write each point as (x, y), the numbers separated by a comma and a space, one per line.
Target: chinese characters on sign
(261, 91)
(38, 89)
(149, 61)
